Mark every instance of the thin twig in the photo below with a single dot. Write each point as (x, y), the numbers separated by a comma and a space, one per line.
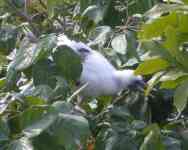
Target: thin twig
(45, 7)
(77, 92)
(25, 16)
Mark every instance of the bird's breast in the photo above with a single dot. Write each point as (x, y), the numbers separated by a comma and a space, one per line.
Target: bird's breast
(100, 82)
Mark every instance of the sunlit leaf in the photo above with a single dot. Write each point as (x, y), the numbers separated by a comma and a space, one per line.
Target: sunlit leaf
(171, 84)
(173, 75)
(29, 52)
(2, 82)
(94, 13)
(152, 82)
(119, 44)
(21, 144)
(181, 96)
(151, 66)
(100, 35)
(156, 27)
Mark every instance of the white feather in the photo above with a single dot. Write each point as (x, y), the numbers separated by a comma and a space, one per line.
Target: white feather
(99, 74)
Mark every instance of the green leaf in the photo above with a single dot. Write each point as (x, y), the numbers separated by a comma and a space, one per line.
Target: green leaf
(183, 21)
(171, 84)
(63, 107)
(19, 3)
(94, 13)
(173, 78)
(45, 46)
(29, 53)
(152, 82)
(101, 35)
(11, 78)
(32, 101)
(173, 74)
(172, 143)
(36, 120)
(4, 132)
(132, 45)
(44, 73)
(3, 61)
(24, 55)
(32, 115)
(61, 89)
(68, 63)
(185, 1)
(83, 4)
(2, 82)
(21, 144)
(181, 96)
(151, 66)
(172, 43)
(155, 49)
(156, 27)
(42, 91)
(161, 8)
(8, 37)
(39, 126)
(152, 140)
(119, 44)
(71, 131)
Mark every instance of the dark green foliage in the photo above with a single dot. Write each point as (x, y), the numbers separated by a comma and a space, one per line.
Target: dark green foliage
(38, 109)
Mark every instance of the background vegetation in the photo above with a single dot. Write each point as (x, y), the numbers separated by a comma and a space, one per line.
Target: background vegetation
(37, 77)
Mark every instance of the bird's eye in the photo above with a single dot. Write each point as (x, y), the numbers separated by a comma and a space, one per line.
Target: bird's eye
(140, 83)
(83, 50)
(137, 84)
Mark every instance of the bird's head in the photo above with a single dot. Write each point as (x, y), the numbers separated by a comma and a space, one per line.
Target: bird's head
(128, 80)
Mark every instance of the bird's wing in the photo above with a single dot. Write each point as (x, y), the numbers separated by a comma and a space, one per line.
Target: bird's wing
(97, 71)
(99, 74)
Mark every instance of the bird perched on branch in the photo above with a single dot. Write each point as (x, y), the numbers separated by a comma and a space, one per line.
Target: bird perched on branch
(101, 77)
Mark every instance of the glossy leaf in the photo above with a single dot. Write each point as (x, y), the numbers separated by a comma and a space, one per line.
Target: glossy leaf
(39, 126)
(68, 63)
(181, 96)
(101, 35)
(151, 66)
(153, 137)
(119, 44)
(94, 13)
(21, 144)
(71, 131)
(29, 53)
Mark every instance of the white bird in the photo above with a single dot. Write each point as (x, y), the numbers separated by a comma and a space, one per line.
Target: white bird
(101, 77)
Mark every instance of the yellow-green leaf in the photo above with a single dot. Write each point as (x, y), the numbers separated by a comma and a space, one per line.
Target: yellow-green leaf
(151, 66)
(181, 96)
(152, 82)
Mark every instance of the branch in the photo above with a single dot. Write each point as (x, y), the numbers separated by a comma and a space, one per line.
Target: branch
(25, 16)
(45, 7)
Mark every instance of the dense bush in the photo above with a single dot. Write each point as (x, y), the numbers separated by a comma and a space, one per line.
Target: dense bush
(38, 107)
